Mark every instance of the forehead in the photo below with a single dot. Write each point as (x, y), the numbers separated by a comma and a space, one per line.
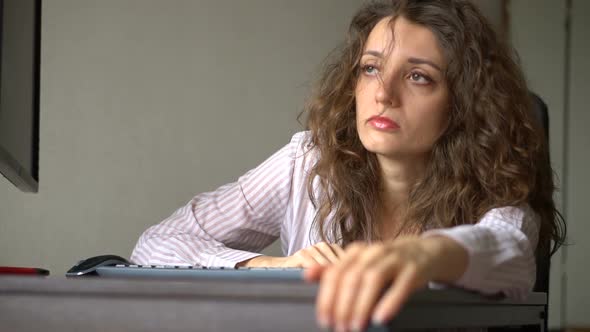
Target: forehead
(404, 38)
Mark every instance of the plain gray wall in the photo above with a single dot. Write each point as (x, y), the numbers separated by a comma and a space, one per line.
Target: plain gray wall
(145, 103)
(577, 169)
(540, 42)
(539, 34)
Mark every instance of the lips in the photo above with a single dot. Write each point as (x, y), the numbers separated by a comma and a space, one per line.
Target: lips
(383, 123)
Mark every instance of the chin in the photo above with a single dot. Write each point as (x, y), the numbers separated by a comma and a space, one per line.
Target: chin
(380, 145)
(390, 153)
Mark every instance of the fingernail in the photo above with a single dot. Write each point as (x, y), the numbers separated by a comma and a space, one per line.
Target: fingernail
(378, 319)
(323, 322)
(340, 327)
(356, 325)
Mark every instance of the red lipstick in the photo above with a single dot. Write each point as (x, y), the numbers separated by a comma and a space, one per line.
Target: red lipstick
(383, 123)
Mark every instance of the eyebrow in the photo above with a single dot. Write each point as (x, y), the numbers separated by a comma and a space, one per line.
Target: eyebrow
(413, 60)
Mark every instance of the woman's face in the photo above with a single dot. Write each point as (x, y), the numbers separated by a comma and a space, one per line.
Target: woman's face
(401, 94)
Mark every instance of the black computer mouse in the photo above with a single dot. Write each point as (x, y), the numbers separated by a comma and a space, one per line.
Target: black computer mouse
(88, 266)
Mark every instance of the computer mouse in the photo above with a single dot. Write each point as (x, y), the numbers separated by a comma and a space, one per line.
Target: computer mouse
(88, 266)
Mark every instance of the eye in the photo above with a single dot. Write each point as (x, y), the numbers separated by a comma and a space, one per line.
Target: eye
(419, 78)
(369, 69)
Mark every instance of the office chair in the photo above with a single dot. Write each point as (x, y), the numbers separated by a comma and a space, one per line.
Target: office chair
(542, 256)
(543, 259)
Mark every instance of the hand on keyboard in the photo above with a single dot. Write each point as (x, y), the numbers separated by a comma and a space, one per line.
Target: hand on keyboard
(319, 254)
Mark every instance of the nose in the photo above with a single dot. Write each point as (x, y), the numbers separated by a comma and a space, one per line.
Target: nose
(386, 93)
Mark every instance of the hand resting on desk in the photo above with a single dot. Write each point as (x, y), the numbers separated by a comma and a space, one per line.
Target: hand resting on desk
(351, 291)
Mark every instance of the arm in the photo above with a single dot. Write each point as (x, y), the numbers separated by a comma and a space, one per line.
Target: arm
(500, 250)
(228, 225)
(494, 255)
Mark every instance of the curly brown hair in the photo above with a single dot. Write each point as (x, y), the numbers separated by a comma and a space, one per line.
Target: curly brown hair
(493, 153)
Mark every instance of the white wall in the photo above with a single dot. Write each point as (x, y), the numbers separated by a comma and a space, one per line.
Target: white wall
(145, 103)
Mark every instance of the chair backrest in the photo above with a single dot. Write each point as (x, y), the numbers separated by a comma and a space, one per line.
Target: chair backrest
(542, 256)
(543, 259)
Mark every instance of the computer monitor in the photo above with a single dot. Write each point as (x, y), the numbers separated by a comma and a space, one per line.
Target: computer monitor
(20, 35)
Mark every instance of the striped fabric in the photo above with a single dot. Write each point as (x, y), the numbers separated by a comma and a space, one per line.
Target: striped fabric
(234, 222)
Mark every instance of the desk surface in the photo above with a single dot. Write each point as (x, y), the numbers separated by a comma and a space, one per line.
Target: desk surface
(93, 304)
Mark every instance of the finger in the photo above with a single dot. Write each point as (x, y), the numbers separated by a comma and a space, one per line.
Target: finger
(326, 293)
(300, 259)
(337, 250)
(353, 283)
(374, 281)
(343, 302)
(396, 296)
(309, 260)
(314, 273)
(330, 287)
(318, 255)
(327, 251)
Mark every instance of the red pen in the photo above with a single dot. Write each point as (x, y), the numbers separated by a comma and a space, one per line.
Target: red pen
(23, 271)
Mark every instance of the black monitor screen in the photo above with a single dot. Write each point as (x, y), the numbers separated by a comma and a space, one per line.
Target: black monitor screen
(19, 92)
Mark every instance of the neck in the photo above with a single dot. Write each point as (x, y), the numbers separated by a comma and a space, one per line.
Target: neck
(398, 177)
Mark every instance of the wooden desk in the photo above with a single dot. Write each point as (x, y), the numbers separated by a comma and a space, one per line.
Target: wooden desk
(60, 304)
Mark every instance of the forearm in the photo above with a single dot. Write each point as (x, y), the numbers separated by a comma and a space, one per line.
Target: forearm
(450, 259)
(500, 249)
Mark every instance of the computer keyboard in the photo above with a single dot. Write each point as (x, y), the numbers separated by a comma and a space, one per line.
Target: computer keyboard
(200, 272)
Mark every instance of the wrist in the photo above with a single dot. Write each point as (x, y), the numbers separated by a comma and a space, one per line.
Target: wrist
(449, 258)
(259, 261)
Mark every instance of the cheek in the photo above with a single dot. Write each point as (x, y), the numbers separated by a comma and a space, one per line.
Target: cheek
(442, 116)
(362, 99)
(435, 110)
(433, 124)
(363, 109)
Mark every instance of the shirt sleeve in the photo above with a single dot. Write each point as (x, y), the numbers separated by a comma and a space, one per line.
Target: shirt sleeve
(228, 225)
(501, 248)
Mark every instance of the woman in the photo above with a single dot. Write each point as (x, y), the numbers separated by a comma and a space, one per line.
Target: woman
(422, 163)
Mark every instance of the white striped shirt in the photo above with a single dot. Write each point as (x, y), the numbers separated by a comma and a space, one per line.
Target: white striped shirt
(238, 220)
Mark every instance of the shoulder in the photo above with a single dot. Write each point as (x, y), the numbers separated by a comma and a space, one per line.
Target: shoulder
(301, 144)
(522, 216)
(302, 154)
(511, 212)
(301, 139)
